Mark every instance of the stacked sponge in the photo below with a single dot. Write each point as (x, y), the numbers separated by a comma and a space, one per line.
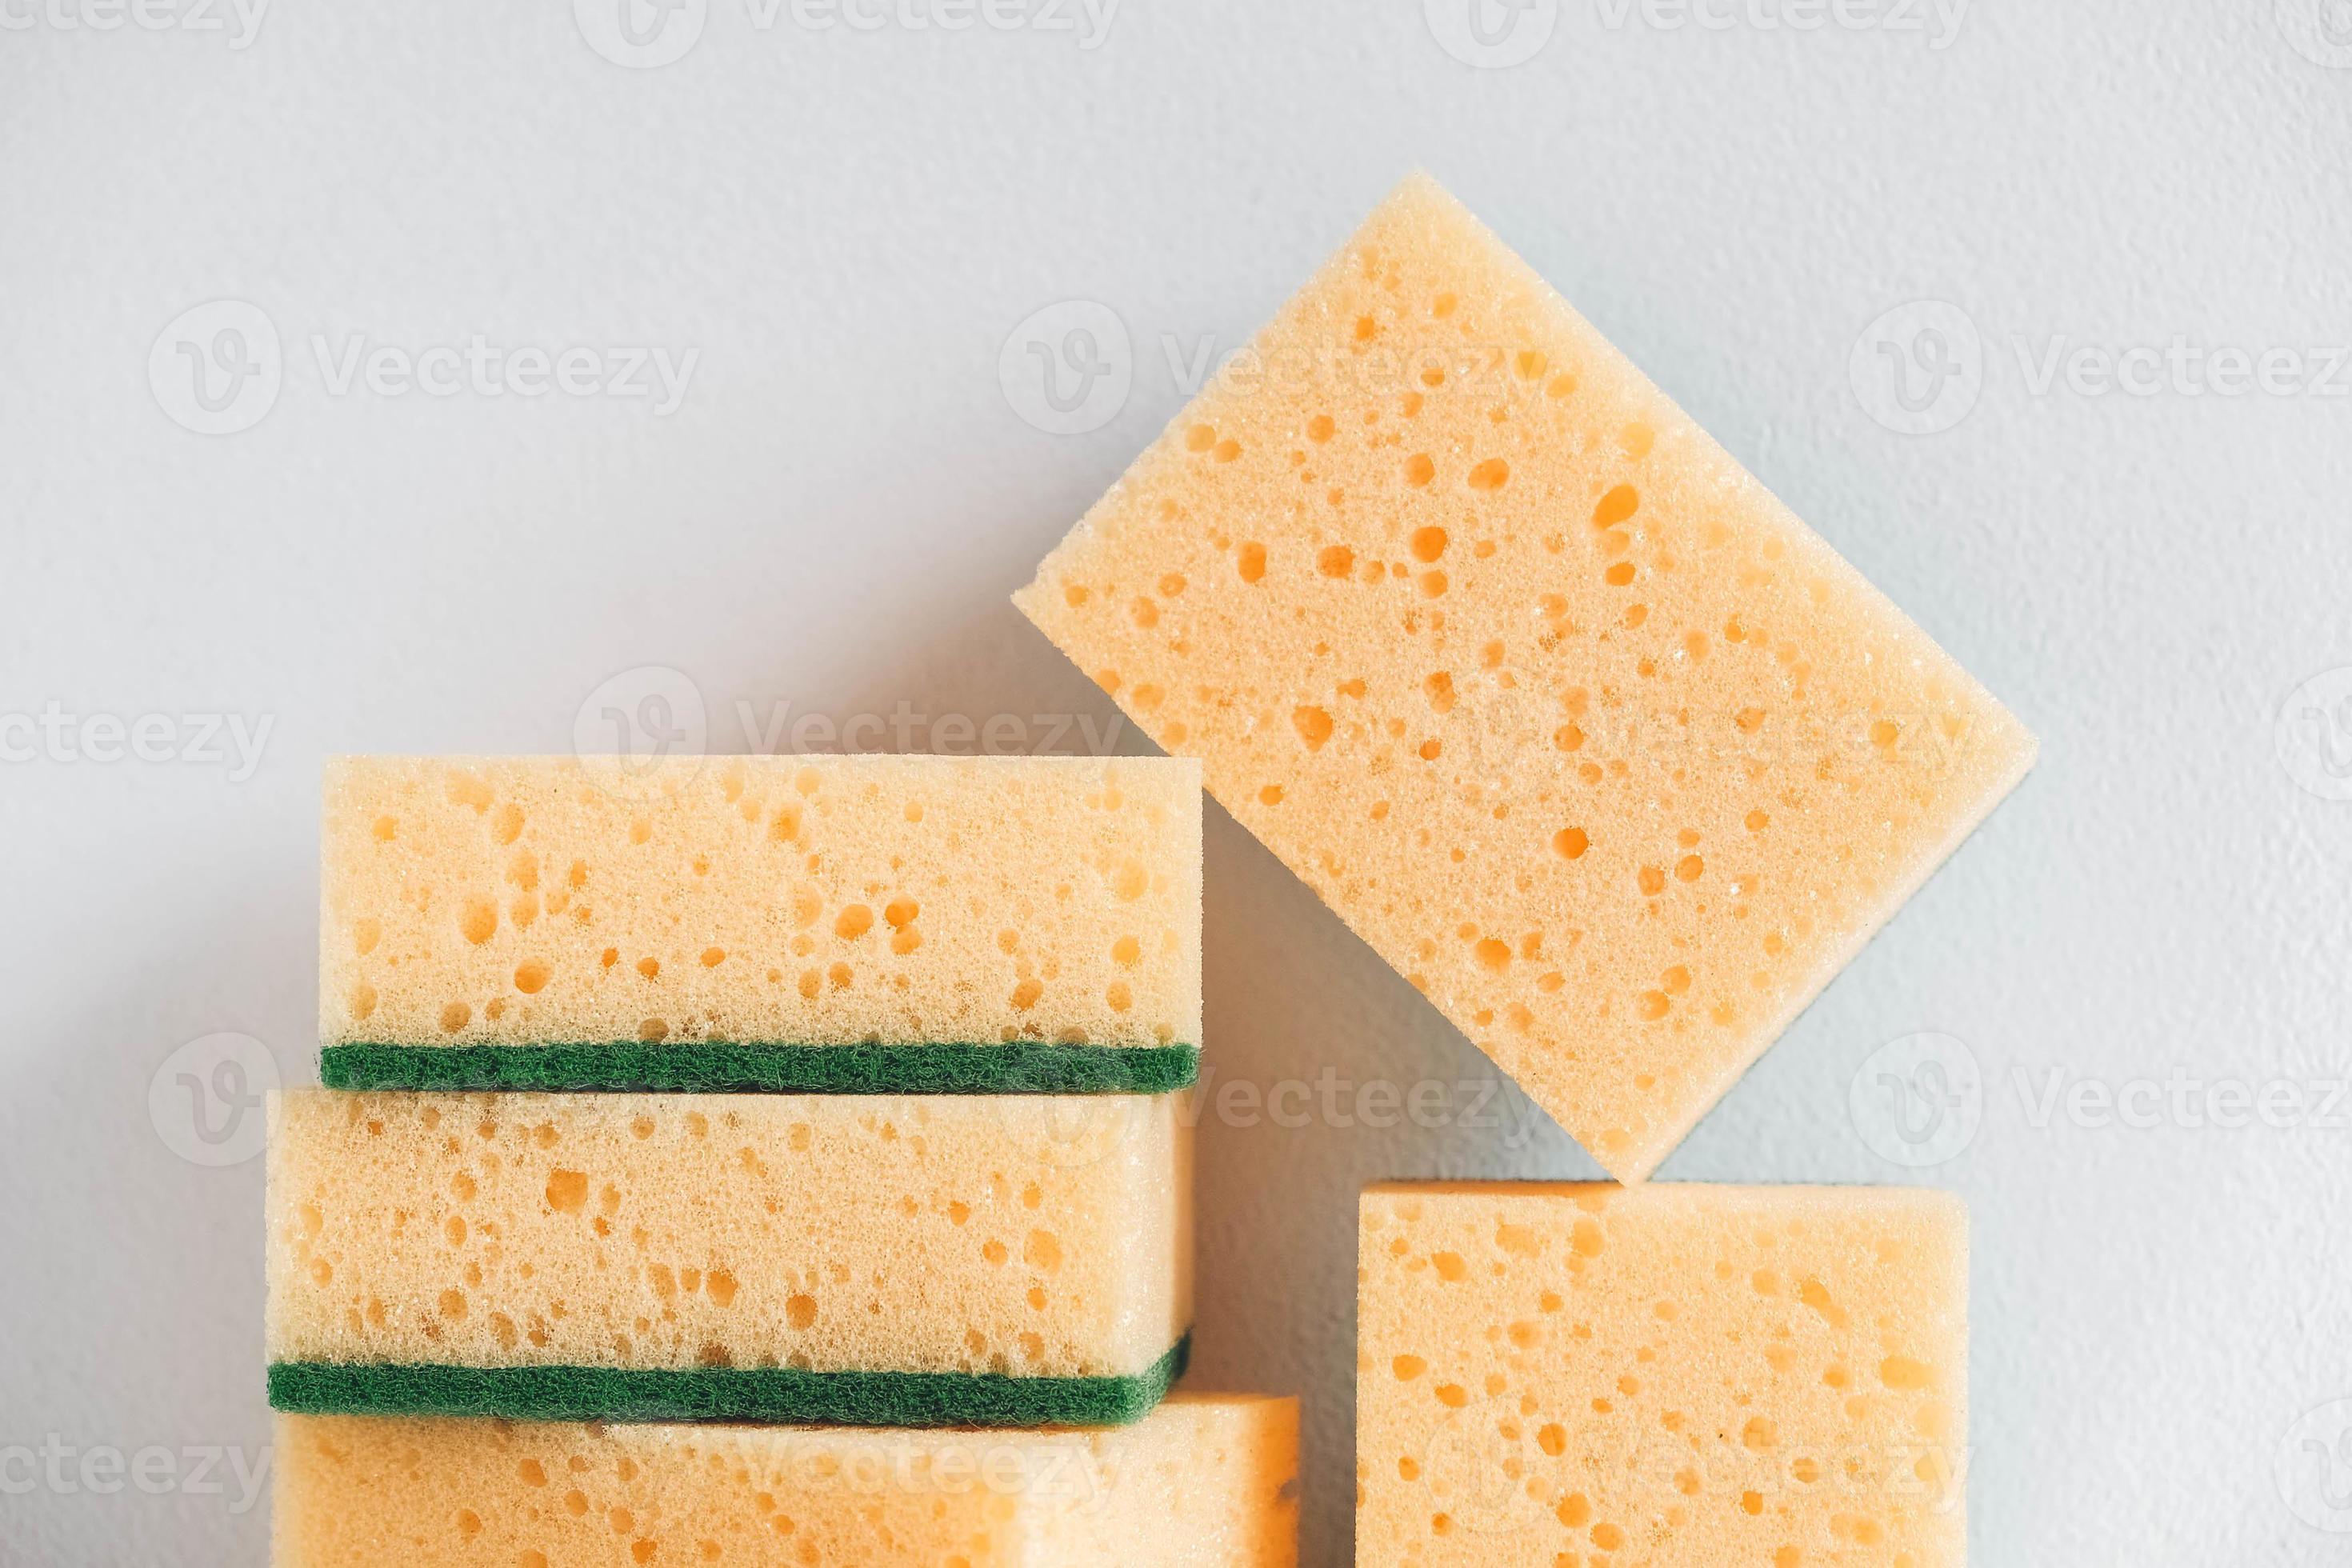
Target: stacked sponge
(864, 924)
(836, 1091)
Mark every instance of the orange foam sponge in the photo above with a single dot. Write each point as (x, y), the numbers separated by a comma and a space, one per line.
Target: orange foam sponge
(1713, 1377)
(868, 924)
(1557, 706)
(1205, 1481)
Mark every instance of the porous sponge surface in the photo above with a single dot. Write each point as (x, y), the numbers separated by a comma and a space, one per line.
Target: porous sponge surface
(1674, 1374)
(1205, 1482)
(760, 901)
(1557, 706)
(1033, 1236)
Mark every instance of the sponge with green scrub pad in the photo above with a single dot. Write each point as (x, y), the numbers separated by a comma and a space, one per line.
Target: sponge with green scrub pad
(881, 1260)
(868, 924)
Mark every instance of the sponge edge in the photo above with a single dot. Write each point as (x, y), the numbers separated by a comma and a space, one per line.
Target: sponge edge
(1574, 723)
(1044, 1237)
(1206, 1481)
(739, 902)
(1708, 1376)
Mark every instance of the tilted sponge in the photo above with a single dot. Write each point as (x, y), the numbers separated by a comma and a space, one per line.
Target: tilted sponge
(939, 924)
(890, 1260)
(1205, 1481)
(1711, 1377)
(1563, 712)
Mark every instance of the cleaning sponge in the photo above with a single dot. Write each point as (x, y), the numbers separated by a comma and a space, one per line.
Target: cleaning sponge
(890, 1261)
(1714, 1377)
(1203, 1482)
(827, 925)
(1561, 710)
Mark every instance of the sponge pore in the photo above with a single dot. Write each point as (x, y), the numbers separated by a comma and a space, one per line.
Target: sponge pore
(1559, 708)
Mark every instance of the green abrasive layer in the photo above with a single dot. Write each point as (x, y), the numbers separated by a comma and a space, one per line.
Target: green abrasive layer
(723, 1067)
(722, 1394)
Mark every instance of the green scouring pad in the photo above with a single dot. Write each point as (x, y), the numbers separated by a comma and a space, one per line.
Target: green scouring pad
(720, 1066)
(723, 1394)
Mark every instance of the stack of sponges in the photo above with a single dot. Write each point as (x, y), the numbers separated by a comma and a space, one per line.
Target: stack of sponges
(776, 1091)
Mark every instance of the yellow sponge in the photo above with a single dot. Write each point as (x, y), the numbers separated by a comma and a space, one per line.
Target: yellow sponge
(940, 923)
(891, 1260)
(1713, 1377)
(1206, 1481)
(1557, 706)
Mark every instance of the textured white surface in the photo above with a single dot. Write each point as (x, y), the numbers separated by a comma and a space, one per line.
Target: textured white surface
(847, 224)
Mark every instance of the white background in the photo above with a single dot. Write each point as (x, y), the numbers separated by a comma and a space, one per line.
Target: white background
(846, 226)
